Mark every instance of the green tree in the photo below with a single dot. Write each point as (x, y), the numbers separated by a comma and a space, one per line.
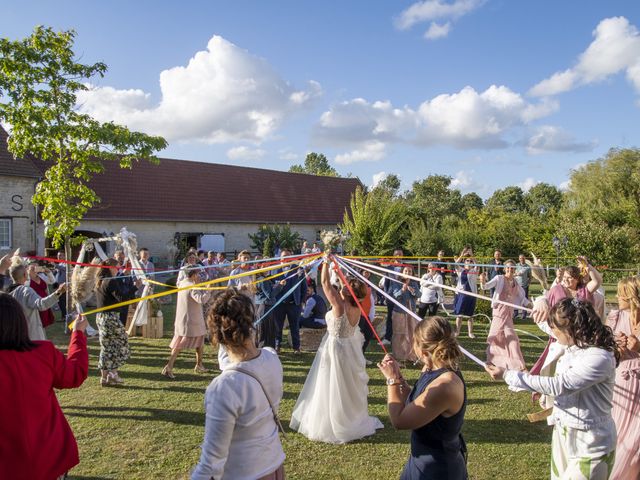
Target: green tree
(389, 184)
(509, 199)
(315, 164)
(471, 201)
(375, 222)
(543, 198)
(39, 80)
(601, 211)
(271, 237)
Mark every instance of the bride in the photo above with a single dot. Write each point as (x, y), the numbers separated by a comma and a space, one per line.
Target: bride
(332, 406)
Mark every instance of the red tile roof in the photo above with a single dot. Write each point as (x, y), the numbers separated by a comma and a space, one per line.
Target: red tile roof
(179, 190)
(15, 167)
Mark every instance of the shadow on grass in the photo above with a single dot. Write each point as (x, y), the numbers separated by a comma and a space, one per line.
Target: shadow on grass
(179, 417)
(505, 431)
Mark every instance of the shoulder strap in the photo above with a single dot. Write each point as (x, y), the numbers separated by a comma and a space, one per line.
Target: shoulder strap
(273, 408)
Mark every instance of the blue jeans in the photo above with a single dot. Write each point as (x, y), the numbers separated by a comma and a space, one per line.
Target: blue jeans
(291, 312)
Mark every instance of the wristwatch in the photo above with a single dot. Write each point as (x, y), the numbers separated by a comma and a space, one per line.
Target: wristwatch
(394, 381)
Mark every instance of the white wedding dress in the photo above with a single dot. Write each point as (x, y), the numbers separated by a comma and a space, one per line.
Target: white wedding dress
(332, 406)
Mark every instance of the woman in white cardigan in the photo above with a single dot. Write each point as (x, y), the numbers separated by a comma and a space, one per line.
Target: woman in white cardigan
(189, 326)
(241, 439)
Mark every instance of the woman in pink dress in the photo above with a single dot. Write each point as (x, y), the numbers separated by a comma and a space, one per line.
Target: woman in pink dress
(189, 327)
(503, 349)
(625, 323)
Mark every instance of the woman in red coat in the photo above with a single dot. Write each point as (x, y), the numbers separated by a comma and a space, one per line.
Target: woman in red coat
(36, 442)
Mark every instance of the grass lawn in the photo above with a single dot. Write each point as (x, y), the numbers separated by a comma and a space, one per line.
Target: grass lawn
(152, 427)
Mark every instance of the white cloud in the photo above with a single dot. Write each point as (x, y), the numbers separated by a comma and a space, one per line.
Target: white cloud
(466, 119)
(288, 155)
(527, 184)
(245, 153)
(377, 178)
(437, 30)
(564, 186)
(431, 10)
(615, 48)
(461, 180)
(223, 94)
(548, 138)
(368, 152)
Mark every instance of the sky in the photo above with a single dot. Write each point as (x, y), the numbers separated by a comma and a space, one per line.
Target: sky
(490, 92)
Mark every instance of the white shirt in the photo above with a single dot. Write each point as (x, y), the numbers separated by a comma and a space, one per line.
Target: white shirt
(582, 386)
(431, 293)
(241, 439)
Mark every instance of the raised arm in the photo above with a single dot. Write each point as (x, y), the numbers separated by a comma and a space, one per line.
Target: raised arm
(329, 291)
(594, 275)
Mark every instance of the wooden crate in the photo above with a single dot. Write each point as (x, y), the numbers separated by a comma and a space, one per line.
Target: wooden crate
(310, 338)
(154, 328)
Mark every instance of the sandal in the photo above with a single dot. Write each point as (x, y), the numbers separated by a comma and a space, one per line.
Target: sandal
(167, 372)
(201, 369)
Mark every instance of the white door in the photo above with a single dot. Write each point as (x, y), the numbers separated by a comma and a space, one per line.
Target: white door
(212, 241)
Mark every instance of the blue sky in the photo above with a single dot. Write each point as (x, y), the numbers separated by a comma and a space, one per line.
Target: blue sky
(492, 93)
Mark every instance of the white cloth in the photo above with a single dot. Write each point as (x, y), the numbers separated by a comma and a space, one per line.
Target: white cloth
(241, 439)
(332, 406)
(431, 293)
(582, 387)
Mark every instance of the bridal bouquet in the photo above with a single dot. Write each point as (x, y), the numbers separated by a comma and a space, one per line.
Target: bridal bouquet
(331, 239)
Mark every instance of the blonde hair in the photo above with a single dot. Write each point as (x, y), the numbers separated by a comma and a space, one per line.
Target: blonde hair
(435, 337)
(629, 290)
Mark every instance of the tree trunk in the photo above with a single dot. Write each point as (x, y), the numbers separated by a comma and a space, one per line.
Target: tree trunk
(67, 256)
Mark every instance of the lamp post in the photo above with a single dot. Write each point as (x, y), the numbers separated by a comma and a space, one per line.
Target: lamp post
(558, 244)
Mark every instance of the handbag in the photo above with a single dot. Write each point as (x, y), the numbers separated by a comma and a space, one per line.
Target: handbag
(273, 408)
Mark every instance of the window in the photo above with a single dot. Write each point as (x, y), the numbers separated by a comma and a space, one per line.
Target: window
(5, 233)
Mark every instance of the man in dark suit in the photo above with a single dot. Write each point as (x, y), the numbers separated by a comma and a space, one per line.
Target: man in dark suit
(389, 286)
(291, 307)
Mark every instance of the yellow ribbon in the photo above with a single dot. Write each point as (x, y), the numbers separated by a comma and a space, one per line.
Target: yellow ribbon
(196, 285)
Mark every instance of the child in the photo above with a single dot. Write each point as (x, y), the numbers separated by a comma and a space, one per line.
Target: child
(584, 437)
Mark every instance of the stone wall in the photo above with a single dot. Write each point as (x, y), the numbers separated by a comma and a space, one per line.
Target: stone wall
(156, 235)
(16, 206)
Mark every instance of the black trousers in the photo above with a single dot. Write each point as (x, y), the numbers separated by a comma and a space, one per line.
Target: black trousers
(388, 332)
(365, 328)
(291, 312)
(427, 309)
(267, 328)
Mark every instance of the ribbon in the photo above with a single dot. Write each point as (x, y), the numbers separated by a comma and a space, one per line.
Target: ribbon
(468, 354)
(364, 314)
(196, 285)
(368, 267)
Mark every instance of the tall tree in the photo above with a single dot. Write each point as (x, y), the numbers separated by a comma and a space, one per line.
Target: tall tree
(389, 184)
(509, 199)
(39, 80)
(315, 164)
(542, 199)
(375, 222)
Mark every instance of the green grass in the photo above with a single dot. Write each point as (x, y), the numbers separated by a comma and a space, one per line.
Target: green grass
(152, 427)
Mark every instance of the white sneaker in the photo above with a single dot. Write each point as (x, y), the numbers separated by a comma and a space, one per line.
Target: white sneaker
(386, 342)
(368, 362)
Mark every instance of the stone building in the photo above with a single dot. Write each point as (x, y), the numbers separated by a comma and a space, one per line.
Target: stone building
(204, 205)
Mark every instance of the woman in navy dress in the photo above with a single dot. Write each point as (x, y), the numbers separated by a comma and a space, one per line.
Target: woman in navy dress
(434, 409)
(465, 305)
